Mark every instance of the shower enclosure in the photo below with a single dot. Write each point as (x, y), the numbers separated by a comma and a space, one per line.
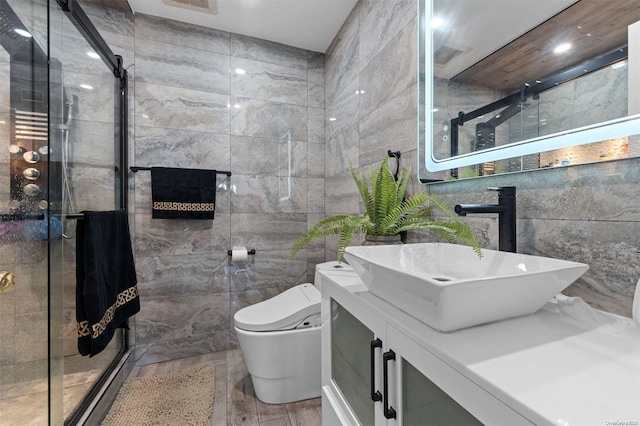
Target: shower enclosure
(62, 150)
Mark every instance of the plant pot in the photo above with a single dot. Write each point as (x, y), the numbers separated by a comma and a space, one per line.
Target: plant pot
(379, 240)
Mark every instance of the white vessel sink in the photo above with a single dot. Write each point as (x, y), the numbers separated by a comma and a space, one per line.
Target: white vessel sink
(448, 287)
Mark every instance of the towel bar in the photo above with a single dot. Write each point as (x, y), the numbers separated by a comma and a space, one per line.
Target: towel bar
(135, 169)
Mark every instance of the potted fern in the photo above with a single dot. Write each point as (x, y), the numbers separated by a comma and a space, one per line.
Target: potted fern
(388, 214)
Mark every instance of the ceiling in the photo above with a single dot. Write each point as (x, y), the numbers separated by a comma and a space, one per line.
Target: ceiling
(307, 24)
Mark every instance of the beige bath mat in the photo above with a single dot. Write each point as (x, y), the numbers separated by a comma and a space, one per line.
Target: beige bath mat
(184, 397)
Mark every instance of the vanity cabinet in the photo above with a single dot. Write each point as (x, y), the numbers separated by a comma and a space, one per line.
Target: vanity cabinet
(374, 374)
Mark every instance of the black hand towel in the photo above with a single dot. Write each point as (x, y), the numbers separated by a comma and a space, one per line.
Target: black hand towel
(106, 290)
(183, 193)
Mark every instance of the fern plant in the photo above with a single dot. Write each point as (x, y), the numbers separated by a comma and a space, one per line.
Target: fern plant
(388, 213)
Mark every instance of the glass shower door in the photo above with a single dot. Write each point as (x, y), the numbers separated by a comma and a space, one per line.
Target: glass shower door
(60, 137)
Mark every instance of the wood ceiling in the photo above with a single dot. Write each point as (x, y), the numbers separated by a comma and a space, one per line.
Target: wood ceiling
(594, 27)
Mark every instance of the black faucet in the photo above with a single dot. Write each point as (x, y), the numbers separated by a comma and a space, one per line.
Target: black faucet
(506, 209)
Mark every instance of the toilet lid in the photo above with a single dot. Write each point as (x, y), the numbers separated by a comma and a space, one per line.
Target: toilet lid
(282, 312)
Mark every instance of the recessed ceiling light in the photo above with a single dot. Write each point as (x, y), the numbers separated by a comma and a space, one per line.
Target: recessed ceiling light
(240, 71)
(93, 54)
(87, 86)
(437, 22)
(561, 48)
(22, 32)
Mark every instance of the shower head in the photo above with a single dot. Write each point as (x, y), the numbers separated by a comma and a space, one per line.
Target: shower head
(67, 100)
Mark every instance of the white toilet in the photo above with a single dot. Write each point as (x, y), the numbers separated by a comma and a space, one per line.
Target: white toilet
(280, 341)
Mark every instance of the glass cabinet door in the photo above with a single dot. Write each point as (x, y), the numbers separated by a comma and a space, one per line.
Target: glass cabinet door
(424, 403)
(351, 363)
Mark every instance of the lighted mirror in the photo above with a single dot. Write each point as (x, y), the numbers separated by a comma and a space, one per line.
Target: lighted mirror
(512, 85)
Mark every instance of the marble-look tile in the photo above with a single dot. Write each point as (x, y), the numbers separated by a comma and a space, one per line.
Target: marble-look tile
(343, 111)
(7, 338)
(181, 276)
(171, 318)
(315, 191)
(380, 21)
(96, 105)
(341, 194)
(342, 152)
(268, 51)
(315, 61)
(182, 34)
(315, 89)
(273, 268)
(391, 72)
(601, 95)
(179, 108)
(181, 67)
(30, 340)
(613, 258)
(342, 62)
(172, 237)
(93, 189)
(259, 118)
(270, 82)
(181, 148)
(110, 19)
(269, 194)
(390, 127)
(272, 157)
(91, 143)
(316, 243)
(315, 160)
(124, 46)
(267, 231)
(181, 348)
(315, 125)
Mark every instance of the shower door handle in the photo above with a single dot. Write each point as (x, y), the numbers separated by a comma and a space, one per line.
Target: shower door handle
(375, 394)
(7, 281)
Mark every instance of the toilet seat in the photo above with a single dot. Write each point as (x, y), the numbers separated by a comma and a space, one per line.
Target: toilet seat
(285, 311)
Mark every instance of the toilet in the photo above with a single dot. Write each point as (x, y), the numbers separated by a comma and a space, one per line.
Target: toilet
(280, 342)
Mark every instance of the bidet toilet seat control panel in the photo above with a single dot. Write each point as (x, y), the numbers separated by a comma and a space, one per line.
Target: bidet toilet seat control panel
(291, 309)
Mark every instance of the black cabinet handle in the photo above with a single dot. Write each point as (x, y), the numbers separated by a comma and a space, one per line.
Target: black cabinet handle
(389, 412)
(375, 394)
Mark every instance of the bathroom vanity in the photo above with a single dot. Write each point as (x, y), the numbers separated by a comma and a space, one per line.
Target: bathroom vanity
(557, 366)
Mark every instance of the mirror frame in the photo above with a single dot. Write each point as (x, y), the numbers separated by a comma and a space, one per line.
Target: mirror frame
(621, 127)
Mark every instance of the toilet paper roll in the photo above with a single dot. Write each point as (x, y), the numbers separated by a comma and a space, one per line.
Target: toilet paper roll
(239, 254)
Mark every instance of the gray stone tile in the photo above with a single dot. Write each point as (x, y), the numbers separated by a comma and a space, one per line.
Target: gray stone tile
(181, 348)
(109, 19)
(267, 51)
(380, 22)
(182, 148)
(343, 111)
(390, 127)
(183, 67)
(270, 82)
(343, 152)
(173, 237)
(341, 195)
(315, 61)
(267, 231)
(269, 194)
(179, 108)
(315, 195)
(316, 89)
(182, 34)
(172, 318)
(342, 62)
(272, 157)
(315, 159)
(258, 118)
(315, 125)
(391, 72)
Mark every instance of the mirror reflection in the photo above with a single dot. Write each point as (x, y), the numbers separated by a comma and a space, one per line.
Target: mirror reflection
(526, 84)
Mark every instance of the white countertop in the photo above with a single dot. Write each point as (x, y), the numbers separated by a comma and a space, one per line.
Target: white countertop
(565, 365)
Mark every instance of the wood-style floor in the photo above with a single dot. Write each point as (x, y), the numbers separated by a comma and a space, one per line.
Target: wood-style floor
(235, 402)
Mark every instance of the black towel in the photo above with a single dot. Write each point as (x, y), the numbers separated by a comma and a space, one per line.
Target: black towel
(183, 193)
(106, 290)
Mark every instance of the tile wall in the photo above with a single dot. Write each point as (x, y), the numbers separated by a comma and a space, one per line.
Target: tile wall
(285, 177)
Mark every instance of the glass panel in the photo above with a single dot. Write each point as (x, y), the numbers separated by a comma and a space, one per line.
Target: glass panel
(424, 403)
(83, 92)
(351, 361)
(23, 187)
